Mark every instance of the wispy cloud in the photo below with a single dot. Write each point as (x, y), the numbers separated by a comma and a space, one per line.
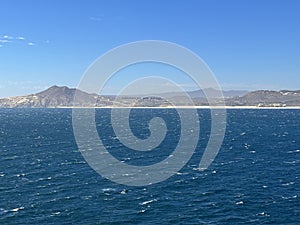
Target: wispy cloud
(97, 19)
(5, 39)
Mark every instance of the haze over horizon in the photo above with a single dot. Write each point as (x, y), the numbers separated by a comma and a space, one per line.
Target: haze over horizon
(249, 45)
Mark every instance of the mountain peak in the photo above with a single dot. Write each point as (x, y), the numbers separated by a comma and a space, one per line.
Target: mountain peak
(57, 90)
(63, 96)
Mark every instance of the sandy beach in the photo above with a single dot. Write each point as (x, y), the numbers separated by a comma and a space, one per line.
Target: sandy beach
(188, 107)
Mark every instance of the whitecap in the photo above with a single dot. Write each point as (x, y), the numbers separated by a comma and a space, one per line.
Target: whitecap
(247, 146)
(87, 197)
(148, 202)
(17, 209)
(288, 184)
(179, 173)
(108, 191)
(239, 203)
(199, 169)
(290, 197)
(123, 192)
(289, 162)
(294, 151)
(2, 211)
(262, 214)
(21, 175)
(127, 175)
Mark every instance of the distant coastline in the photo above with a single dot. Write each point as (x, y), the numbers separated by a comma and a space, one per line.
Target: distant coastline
(179, 107)
(63, 97)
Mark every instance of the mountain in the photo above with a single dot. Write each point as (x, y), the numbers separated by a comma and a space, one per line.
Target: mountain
(56, 96)
(267, 98)
(211, 91)
(52, 97)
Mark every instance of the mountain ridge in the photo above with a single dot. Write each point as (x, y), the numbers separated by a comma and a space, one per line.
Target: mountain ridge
(63, 96)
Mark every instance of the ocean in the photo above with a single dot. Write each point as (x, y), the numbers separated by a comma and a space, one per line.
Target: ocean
(254, 179)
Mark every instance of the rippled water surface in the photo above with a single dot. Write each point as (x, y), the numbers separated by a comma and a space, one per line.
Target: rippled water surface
(254, 179)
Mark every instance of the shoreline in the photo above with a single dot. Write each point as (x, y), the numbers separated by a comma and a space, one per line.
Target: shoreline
(179, 107)
(157, 107)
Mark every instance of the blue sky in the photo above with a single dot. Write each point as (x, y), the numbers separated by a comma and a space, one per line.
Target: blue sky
(248, 44)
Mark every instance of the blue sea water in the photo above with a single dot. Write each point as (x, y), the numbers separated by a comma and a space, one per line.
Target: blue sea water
(254, 179)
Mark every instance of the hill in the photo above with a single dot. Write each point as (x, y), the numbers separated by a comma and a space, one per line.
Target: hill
(56, 96)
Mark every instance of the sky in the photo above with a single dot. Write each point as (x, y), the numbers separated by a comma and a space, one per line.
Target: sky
(248, 44)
